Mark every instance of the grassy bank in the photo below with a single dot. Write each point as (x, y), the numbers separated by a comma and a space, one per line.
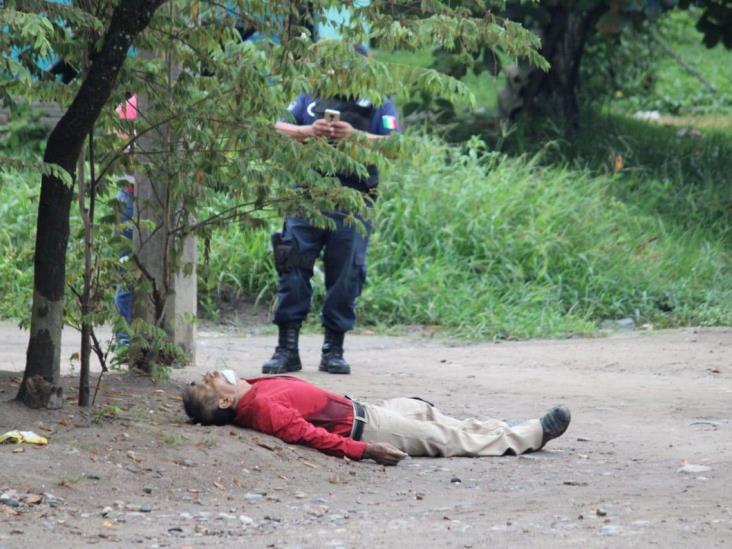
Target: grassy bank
(505, 247)
(546, 237)
(677, 170)
(490, 246)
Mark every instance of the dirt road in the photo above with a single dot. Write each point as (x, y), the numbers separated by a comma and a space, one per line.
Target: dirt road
(647, 460)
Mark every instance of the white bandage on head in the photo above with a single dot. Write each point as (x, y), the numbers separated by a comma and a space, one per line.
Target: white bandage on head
(229, 375)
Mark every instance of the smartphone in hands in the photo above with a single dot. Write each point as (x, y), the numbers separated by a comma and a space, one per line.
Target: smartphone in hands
(332, 115)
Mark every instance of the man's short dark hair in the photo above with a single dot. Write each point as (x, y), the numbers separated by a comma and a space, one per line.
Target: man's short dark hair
(205, 410)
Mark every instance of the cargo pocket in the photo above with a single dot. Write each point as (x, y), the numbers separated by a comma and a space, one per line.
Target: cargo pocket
(360, 268)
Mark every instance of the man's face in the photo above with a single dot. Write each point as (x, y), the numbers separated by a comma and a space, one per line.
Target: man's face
(214, 384)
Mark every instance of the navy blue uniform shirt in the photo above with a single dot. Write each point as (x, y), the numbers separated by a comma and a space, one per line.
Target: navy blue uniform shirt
(384, 119)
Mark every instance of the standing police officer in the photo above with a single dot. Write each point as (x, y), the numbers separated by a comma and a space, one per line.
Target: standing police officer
(300, 243)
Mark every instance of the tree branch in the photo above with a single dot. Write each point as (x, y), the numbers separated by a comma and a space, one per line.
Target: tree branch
(144, 131)
(693, 71)
(130, 17)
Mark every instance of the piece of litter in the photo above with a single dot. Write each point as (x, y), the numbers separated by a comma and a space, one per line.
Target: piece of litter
(17, 437)
(693, 469)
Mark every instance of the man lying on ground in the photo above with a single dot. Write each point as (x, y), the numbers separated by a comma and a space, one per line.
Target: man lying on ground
(301, 413)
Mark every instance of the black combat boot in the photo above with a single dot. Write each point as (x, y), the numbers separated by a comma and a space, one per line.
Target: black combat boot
(286, 357)
(332, 360)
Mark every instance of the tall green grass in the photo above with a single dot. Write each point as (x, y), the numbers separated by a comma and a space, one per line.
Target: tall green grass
(487, 246)
(18, 211)
(491, 246)
(237, 265)
(483, 245)
(545, 242)
(668, 172)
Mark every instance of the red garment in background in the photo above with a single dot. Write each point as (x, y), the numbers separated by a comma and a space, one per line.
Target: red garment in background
(300, 413)
(127, 110)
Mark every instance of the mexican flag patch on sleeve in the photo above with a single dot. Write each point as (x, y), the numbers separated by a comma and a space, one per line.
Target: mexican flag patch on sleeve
(389, 122)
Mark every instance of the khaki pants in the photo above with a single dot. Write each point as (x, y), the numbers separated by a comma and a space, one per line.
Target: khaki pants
(419, 429)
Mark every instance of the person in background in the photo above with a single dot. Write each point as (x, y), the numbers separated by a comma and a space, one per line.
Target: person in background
(123, 296)
(344, 247)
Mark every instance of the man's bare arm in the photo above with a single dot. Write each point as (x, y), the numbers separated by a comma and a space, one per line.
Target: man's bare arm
(299, 133)
(343, 130)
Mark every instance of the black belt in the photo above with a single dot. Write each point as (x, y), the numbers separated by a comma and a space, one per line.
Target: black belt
(359, 420)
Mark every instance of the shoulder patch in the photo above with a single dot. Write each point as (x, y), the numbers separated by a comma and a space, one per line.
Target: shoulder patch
(389, 122)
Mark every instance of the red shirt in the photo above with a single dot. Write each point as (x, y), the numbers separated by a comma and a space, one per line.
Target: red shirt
(300, 413)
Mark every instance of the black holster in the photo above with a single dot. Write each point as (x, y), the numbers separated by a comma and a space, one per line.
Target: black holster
(287, 257)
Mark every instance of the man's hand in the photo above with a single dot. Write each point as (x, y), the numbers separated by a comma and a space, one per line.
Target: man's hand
(383, 453)
(335, 131)
(341, 130)
(322, 128)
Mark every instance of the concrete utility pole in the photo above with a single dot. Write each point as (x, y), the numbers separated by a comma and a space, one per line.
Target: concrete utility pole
(171, 303)
(155, 253)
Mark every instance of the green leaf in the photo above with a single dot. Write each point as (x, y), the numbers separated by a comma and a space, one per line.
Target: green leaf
(53, 170)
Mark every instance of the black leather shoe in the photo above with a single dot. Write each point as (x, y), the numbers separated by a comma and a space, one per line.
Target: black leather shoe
(286, 357)
(554, 423)
(332, 360)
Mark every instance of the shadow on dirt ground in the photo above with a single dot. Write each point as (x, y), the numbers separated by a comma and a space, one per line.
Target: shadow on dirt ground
(647, 460)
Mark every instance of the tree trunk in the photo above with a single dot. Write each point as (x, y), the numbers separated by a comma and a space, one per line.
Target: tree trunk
(563, 43)
(130, 17)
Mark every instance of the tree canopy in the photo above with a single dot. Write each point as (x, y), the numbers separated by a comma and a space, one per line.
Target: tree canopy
(209, 100)
(565, 29)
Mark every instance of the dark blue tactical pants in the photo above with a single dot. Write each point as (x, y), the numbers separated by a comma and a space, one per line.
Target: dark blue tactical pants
(345, 272)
